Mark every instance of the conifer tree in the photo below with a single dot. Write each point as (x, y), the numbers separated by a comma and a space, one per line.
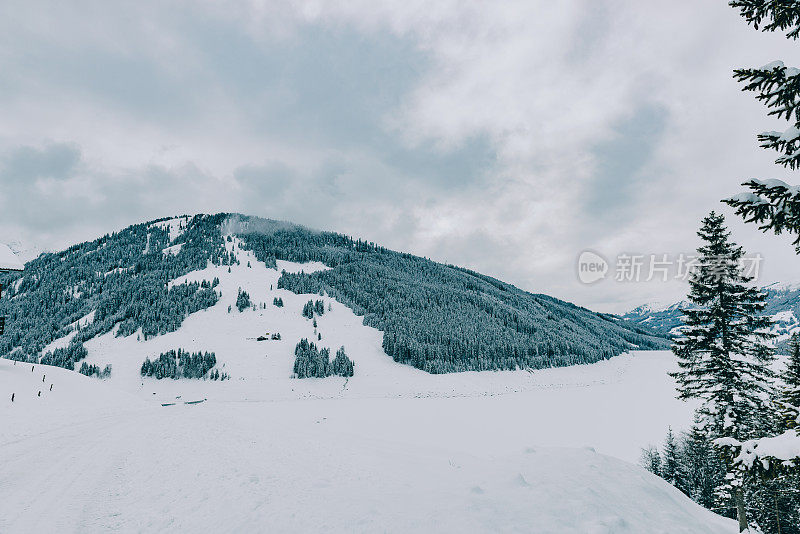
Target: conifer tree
(771, 15)
(722, 353)
(242, 300)
(702, 470)
(651, 460)
(773, 204)
(342, 365)
(789, 399)
(308, 310)
(671, 467)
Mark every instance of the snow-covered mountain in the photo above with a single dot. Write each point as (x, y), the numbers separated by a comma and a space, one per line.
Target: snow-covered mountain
(144, 281)
(783, 305)
(401, 445)
(663, 318)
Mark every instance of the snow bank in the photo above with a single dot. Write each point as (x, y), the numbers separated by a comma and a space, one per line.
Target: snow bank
(37, 408)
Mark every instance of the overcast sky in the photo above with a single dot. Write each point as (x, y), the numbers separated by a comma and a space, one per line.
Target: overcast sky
(502, 136)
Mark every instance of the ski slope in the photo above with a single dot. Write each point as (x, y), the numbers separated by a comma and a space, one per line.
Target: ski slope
(391, 449)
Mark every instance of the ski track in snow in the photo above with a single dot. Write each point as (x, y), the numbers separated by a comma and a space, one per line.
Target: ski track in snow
(391, 449)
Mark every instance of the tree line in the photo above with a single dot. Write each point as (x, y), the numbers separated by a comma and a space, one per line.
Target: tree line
(180, 364)
(311, 362)
(725, 352)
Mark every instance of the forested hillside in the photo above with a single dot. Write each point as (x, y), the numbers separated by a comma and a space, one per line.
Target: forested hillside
(436, 317)
(119, 279)
(442, 318)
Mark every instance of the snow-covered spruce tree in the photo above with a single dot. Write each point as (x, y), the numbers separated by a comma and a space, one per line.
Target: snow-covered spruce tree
(342, 365)
(690, 463)
(702, 467)
(789, 398)
(772, 462)
(651, 460)
(774, 204)
(722, 353)
(308, 310)
(243, 300)
(672, 469)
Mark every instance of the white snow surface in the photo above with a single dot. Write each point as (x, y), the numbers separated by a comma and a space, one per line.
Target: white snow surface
(657, 306)
(392, 449)
(174, 249)
(88, 457)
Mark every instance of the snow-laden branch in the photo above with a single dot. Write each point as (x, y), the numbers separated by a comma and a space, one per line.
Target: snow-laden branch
(774, 204)
(765, 453)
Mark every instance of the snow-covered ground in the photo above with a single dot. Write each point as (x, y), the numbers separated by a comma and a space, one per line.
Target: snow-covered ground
(391, 449)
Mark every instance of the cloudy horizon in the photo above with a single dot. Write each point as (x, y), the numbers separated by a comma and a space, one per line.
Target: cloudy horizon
(503, 138)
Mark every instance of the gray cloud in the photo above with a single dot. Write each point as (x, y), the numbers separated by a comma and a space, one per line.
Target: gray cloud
(622, 166)
(503, 137)
(26, 164)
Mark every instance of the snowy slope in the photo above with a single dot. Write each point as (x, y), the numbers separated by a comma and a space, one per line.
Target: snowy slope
(617, 406)
(232, 335)
(425, 308)
(390, 449)
(36, 408)
(105, 461)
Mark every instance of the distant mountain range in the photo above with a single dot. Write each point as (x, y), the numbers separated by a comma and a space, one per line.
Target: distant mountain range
(783, 305)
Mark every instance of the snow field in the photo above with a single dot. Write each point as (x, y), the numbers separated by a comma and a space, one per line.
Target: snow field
(391, 449)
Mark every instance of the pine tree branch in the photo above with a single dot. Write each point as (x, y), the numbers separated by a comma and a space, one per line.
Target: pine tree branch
(771, 15)
(772, 204)
(777, 86)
